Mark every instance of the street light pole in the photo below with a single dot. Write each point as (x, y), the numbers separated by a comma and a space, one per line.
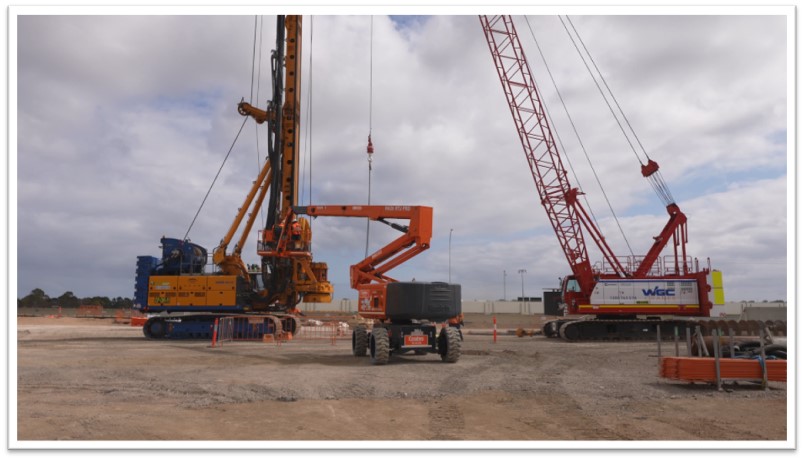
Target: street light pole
(504, 294)
(522, 272)
(450, 255)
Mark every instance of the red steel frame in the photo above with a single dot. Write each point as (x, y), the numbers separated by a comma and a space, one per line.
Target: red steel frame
(558, 197)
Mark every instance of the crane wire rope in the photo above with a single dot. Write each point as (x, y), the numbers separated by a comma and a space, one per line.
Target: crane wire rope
(600, 90)
(253, 60)
(656, 179)
(237, 136)
(370, 149)
(572, 122)
(583, 148)
(307, 135)
(258, 54)
(310, 112)
(307, 163)
(611, 93)
(216, 177)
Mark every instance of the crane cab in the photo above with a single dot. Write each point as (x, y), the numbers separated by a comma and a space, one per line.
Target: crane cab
(571, 295)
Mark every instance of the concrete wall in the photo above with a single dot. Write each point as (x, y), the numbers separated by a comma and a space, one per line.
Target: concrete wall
(474, 306)
(489, 307)
(343, 305)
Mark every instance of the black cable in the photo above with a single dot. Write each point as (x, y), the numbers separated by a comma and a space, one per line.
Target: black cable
(583, 148)
(613, 97)
(253, 58)
(216, 177)
(600, 90)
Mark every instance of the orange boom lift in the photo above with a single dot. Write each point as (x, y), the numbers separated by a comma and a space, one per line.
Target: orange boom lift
(405, 314)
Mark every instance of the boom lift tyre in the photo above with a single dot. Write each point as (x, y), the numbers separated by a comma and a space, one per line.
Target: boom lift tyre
(380, 346)
(360, 340)
(449, 345)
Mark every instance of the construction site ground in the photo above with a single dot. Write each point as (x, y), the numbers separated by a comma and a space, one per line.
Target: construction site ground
(94, 379)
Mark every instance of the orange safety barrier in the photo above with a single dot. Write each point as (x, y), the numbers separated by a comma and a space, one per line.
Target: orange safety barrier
(122, 316)
(138, 320)
(703, 369)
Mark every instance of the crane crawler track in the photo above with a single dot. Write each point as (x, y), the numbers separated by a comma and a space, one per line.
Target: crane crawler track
(200, 326)
(645, 329)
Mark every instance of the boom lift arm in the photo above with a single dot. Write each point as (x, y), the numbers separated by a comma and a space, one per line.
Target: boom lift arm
(416, 237)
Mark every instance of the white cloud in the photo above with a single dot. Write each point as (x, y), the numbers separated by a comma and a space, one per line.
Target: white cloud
(124, 121)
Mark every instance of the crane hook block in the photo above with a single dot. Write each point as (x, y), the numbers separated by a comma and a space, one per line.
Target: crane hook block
(650, 168)
(370, 146)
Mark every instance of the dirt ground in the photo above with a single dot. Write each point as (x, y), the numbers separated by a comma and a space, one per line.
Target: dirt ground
(91, 379)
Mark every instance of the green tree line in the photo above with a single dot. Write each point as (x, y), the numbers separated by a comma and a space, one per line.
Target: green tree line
(39, 299)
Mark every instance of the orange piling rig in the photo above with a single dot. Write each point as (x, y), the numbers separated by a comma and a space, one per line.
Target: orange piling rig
(178, 292)
(405, 314)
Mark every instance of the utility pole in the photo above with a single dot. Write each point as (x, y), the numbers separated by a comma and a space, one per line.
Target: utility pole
(450, 255)
(504, 294)
(522, 272)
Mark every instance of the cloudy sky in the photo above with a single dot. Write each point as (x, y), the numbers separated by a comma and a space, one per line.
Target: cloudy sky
(123, 121)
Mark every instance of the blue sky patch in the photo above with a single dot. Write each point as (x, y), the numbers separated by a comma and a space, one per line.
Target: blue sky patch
(411, 21)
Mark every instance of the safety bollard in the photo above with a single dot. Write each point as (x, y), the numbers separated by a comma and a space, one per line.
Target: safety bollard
(215, 333)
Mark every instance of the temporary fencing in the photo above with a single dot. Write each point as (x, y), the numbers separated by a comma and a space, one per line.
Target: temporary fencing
(89, 311)
(325, 329)
(122, 316)
(309, 329)
(694, 369)
(246, 328)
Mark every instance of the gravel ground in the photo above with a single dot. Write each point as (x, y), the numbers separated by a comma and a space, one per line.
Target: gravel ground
(84, 379)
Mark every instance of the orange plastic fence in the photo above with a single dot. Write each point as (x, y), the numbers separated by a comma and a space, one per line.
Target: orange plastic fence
(89, 310)
(122, 316)
(138, 321)
(703, 369)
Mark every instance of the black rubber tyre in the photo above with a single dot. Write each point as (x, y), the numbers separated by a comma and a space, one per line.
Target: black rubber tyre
(379, 346)
(360, 341)
(449, 345)
(155, 329)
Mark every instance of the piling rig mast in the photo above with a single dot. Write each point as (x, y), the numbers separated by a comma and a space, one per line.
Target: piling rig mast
(177, 290)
